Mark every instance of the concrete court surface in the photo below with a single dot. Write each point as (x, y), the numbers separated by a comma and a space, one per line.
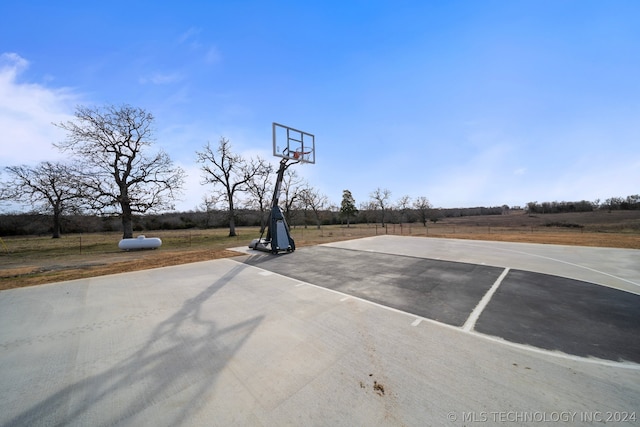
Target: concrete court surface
(228, 343)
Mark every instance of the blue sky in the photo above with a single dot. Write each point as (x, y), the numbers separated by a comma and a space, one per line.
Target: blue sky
(468, 103)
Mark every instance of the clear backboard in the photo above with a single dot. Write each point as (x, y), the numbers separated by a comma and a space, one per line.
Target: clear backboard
(293, 144)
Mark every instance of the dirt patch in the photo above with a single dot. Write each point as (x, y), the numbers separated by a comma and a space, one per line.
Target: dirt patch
(20, 276)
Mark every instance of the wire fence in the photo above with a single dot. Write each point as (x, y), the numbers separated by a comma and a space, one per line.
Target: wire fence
(196, 239)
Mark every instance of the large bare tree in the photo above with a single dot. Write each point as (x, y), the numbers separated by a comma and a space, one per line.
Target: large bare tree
(380, 198)
(312, 198)
(49, 187)
(423, 206)
(260, 189)
(113, 144)
(292, 186)
(404, 206)
(230, 171)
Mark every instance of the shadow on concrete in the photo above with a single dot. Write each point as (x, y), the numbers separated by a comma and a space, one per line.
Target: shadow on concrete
(173, 361)
(440, 290)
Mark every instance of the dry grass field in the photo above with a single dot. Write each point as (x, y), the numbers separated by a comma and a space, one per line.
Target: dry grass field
(35, 260)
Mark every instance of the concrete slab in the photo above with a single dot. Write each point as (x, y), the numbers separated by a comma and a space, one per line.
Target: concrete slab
(617, 268)
(440, 290)
(225, 343)
(541, 310)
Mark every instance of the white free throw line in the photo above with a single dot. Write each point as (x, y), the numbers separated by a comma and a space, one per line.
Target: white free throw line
(475, 314)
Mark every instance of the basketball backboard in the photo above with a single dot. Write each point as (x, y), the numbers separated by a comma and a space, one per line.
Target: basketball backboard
(293, 144)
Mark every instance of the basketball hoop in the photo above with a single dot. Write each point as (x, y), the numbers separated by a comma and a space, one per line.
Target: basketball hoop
(299, 155)
(293, 144)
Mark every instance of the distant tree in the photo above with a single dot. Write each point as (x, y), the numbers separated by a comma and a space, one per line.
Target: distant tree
(613, 203)
(368, 211)
(260, 189)
(223, 168)
(632, 202)
(380, 197)
(422, 205)
(208, 206)
(291, 188)
(403, 204)
(348, 206)
(312, 199)
(49, 188)
(112, 145)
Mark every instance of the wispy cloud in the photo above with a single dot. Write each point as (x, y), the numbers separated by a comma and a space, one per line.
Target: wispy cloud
(189, 36)
(27, 111)
(520, 171)
(208, 52)
(161, 78)
(212, 55)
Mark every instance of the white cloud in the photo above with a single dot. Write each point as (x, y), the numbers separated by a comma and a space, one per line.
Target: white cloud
(212, 55)
(161, 78)
(27, 111)
(191, 39)
(520, 171)
(189, 35)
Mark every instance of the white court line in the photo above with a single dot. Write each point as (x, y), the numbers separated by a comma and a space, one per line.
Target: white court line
(479, 245)
(556, 260)
(624, 365)
(475, 314)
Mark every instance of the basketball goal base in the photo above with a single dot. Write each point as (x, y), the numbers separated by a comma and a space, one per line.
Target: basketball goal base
(278, 237)
(265, 246)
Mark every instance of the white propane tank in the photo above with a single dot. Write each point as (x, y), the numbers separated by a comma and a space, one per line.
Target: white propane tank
(141, 242)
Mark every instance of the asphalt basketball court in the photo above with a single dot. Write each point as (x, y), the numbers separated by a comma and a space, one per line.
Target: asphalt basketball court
(386, 331)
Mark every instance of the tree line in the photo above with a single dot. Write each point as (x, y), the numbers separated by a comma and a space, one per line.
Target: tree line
(613, 203)
(114, 180)
(113, 172)
(33, 223)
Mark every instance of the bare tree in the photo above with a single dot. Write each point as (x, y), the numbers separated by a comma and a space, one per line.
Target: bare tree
(208, 205)
(292, 186)
(48, 188)
(380, 197)
(223, 168)
(259, 188)
(368, 211)
(404, 204)
(422, 205)
(112, 143)
(312, 198)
